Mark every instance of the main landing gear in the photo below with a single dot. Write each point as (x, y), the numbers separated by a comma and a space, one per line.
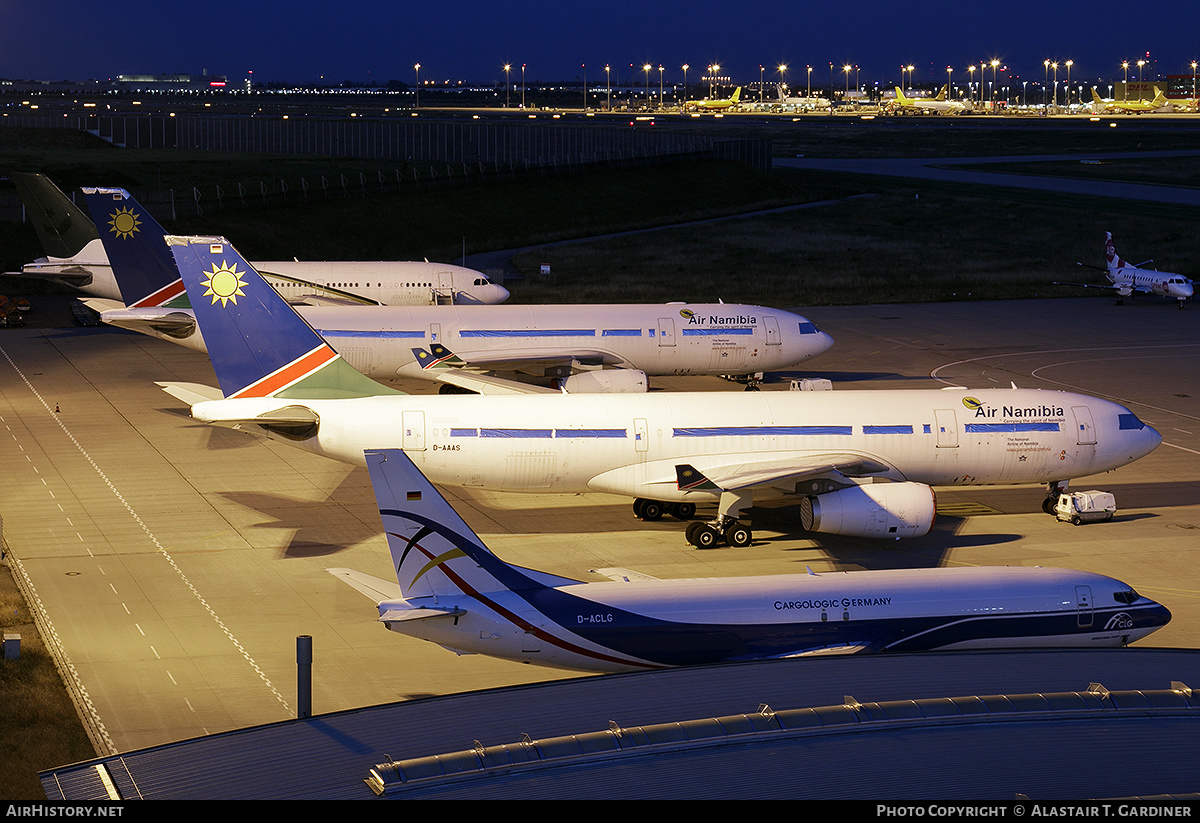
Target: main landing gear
(722, 530)
(702, 535)
(645, 509)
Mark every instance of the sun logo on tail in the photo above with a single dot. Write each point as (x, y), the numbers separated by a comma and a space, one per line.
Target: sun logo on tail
(124, 222)
(225, 284)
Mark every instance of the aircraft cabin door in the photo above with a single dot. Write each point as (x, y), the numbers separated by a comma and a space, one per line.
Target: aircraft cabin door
(435, 332)
(641, 436)
(1084, 428)
(412, 425)
(772, 326)
(1083, 606)
(666, 331)
(947, 428)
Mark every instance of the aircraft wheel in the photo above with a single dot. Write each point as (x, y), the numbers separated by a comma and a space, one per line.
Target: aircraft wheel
(651, 510)
(690, 531)
(1048, 504)
(737, 534)
(682, 511)
(637, 508)
(704, 536)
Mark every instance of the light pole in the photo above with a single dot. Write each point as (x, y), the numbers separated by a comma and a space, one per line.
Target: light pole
(995, 63)
(684, 106)
(1069, 64)
(760, 84)
(1141, 86)
(660, 85)
(846, 68)
(1055, 99)
(810, 81)
(1045, 83)
(971, 83)
(417, 69)
(646, 69)
(782, 80)
(949, 82)
(1125, 93)
(522, 85)
(507, 83)
(584, 66)
(1193, 82)
(608, 83)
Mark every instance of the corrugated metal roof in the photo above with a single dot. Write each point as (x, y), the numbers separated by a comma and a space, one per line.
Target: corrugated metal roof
(330, 756)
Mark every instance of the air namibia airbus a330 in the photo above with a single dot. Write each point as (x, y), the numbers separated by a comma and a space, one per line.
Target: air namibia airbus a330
(861, 462)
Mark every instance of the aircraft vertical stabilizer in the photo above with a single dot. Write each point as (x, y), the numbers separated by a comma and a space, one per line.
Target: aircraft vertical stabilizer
(259, 346)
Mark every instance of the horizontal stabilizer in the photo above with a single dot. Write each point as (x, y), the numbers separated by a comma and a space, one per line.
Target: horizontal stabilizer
(422, 613)
(624, 575)
(102, 304)
(373, 587)
(191, 393)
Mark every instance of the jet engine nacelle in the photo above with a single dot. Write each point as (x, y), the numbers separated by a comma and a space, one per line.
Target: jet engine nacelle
(874, 510)
(612, 381)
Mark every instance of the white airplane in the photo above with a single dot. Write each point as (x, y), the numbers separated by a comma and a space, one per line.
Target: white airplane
(787, 101)
(863, 461)
(938, 105)
(1127, 279)
(454, 592)
(76, 258)
(495, 349)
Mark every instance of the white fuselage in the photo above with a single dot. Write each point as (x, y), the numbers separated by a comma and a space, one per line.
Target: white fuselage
(391, 283)
(630, 444)
(1128, 279)
(623, 626)
(658, 339)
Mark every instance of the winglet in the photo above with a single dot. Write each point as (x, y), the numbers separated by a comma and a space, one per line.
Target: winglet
(259, 345)
(438, 356)
(690, 479)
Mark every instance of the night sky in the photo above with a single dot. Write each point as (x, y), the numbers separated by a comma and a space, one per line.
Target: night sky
(306, 42)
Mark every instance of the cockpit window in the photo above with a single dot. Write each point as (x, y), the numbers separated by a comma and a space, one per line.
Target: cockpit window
(1127, 597)
(1129, 420)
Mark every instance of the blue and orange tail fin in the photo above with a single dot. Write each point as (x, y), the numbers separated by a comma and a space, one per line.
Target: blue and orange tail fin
(259, 345)
(133, 240)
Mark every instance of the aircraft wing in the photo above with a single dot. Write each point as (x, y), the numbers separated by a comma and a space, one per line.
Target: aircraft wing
(860, 647)
(726, 473)
(624, 575)
(331, 300)
(438, 356)
(490, 384)
(102, 304)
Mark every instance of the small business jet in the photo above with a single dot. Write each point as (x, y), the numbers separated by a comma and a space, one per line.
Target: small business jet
(453, 591)
(495, 349)
(864, 460)
(76, 258)
(1127, 279)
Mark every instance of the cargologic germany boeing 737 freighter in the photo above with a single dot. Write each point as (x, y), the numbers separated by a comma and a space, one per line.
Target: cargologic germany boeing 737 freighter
(859, 462)
(486, 349)
(454, 592)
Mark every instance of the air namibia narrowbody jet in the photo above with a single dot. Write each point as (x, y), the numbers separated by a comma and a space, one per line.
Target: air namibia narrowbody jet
(454, 592)
(863, 461)
(76, 258)
(487, 349)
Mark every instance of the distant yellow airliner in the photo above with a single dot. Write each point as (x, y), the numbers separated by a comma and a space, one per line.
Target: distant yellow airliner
(717, 104)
